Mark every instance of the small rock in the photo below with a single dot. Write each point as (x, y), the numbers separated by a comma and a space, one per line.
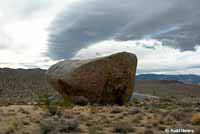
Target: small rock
(69, 126)
(134, 111)
(197, 109)
(22, 110)
(116, 110)
(25, 122)
(198, 102)
(80, 100)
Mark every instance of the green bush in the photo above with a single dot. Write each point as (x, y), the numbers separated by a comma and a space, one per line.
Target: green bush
(55, 104)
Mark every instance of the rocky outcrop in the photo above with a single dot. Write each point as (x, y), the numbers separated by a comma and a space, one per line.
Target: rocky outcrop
(142, 97)
(106, 80)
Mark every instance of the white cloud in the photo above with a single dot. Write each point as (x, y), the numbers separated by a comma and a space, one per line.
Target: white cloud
(24, 31)
(1, 15)
(24, 34)
(153, 56)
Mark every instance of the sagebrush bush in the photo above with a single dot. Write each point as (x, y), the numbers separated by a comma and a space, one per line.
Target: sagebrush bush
(61, 125)
(54, 104)
(123, 127)
(46, 127)
(13, 125)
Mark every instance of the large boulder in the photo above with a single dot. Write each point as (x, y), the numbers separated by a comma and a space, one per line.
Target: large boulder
(106, 80)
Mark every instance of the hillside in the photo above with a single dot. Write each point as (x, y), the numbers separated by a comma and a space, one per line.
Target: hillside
(189, 79)
(21, 86)
(165, 88)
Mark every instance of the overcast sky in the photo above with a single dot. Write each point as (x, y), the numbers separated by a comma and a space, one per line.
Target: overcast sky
(164, 34)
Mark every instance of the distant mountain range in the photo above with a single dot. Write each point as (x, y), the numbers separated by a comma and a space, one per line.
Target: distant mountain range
(189, 79)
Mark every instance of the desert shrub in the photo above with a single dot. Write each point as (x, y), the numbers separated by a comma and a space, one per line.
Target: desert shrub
(47, 100)
(44, 100)
(46, 103)
(154, 92)
(177, 115)
(196, 119)
(54, 105)
(187, 110)
(22, 110)
(45, 127)
(123, 127)
(135, 101)
(168, 120)
(162, 127)
(65, 102)
(137, 118)
(94, 130)
(167, 99)
(148, 131)
(61, 125)
(184, 103)
(13, 125)
(69, 126)
(53, 109)
(154, 121)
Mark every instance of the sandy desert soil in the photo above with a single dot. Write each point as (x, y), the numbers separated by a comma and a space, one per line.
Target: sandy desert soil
(148, 117)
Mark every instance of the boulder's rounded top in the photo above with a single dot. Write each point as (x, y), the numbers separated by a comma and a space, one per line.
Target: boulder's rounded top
(63, 68)
(124, 54)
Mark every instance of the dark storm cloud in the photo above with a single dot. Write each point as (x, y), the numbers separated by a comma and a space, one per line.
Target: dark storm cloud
(185, 38)
(176, 22)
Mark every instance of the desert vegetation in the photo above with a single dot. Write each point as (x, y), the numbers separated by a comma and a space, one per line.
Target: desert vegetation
(40, 110)
(144, 117)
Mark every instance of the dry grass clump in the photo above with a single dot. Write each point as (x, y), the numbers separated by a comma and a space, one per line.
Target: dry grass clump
(93, 110)
(154, 121)
(168, 120)
(137, 118)
(148, 131)
(196, 119)
(22, 110)
(59, 126)
(95, 130)
(12, 126)
(178, 115)
(54, 105)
